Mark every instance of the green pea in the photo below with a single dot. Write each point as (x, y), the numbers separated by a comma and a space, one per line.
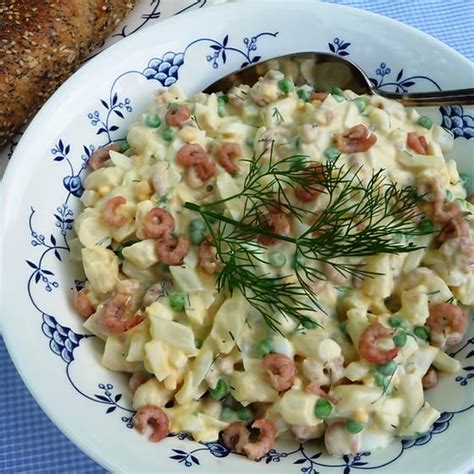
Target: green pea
(277, 259)
(164, 268)
(332, 153)
(400, 339)
(339, 98)
(153, 121)
(380, 380)
(425, 122)
(465, 179)
(250, 141)
(167, 134)
(197, 224)
(177, 301)
(309, 324)
(221, 103)
(124, 146)
(387, 369)
(353, 426)
(228, 415)
(197, 231)
(397, 322)
(265, 346)
(220, 390)
(426, 225)
(361, 103)
(304, 94)
(323, 409)
(196, 237)
(398, 238)
(245, 414)
(335, 91)
(421, 332)
(343, 327)
(286, 85)
(298, 260)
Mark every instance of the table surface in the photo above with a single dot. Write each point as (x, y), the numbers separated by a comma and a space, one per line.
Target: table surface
(29, 442)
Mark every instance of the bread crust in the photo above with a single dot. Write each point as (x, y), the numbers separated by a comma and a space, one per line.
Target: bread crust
(42, 42)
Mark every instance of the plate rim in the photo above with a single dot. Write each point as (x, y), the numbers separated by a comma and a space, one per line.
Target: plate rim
(20, 158)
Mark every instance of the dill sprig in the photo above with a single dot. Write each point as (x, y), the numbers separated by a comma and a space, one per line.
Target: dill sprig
(277, 115)
(360, 219)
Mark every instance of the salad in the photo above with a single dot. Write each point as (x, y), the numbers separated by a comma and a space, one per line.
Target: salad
(274, 261)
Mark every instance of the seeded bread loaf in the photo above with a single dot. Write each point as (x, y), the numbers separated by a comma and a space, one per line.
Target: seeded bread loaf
(42, 42)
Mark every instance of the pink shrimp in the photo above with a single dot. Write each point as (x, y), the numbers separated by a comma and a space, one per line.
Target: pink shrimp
(265, 441)
(417, 143)
(430, 379)
(110, 212)
(444, 316)
(176, 116)
(158, 223)
(114, 312)
(314, 388)
(226, 156)
(455, 228)
(82, 304)
(321, 96)
(156, 418)
(459, 250)
(356, 139)
(368, 348)
(236, 101)
(278, 222)
(100, 156)
(153, 293)
(281, 371)
(339, 441)
(171, 251)
(193, 155)
(311, 190)
(443, 212)
(138, 378)
(236, 436)
(207, 258)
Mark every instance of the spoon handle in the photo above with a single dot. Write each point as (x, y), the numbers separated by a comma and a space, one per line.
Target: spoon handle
(454, 97)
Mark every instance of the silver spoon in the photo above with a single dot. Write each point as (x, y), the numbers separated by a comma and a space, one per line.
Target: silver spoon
(326, 70)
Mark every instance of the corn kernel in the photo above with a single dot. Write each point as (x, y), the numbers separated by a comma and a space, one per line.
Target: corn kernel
(171, 382)
(369, 381)
(104, 190)
(360, 416)
(187, 134)
(143, 190)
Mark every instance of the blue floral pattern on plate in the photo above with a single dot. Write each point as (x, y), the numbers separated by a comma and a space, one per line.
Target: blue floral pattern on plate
(63, 341)
(454, 119)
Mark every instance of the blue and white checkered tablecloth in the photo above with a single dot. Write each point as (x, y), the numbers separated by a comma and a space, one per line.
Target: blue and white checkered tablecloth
(29, 442)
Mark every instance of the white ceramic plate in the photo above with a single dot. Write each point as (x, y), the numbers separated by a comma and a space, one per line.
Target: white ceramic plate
(58, 362)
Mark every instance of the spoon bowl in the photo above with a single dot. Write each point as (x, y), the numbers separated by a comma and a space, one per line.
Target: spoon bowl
(326, 70)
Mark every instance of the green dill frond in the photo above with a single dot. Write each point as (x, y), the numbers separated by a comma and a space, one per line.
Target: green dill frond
(359, 220)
